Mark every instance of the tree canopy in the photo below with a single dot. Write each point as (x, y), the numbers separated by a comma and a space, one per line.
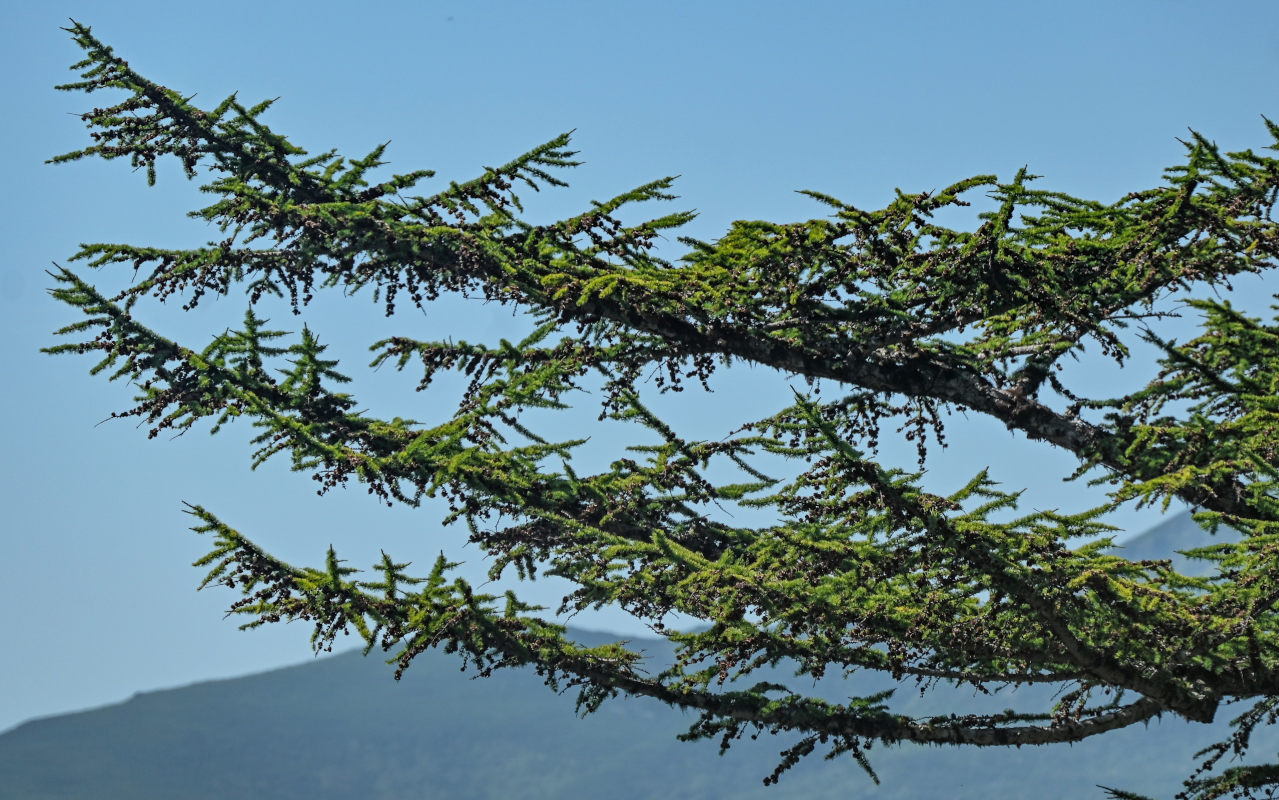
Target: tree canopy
(861, 568)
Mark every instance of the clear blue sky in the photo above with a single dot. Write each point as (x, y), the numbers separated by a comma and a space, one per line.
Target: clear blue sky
(746, 101)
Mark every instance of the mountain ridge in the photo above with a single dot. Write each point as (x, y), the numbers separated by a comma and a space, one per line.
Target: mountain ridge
(340, 726)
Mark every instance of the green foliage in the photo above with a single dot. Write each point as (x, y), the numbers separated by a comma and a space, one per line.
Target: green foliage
(864, 569)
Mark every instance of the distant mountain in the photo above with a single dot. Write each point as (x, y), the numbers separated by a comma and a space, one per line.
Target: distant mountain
(1169, 538)
(340, 727)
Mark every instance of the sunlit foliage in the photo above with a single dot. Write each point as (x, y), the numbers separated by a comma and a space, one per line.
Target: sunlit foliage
(864, 569)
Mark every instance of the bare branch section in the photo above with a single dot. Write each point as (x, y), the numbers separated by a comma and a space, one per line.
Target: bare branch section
(863, 569)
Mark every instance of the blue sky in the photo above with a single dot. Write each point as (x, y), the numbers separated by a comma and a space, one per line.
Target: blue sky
(747, 102)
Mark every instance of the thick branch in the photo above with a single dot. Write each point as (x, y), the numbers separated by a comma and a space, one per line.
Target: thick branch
(917, 377)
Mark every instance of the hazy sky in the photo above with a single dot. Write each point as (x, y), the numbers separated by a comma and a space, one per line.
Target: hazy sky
(747, 102)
